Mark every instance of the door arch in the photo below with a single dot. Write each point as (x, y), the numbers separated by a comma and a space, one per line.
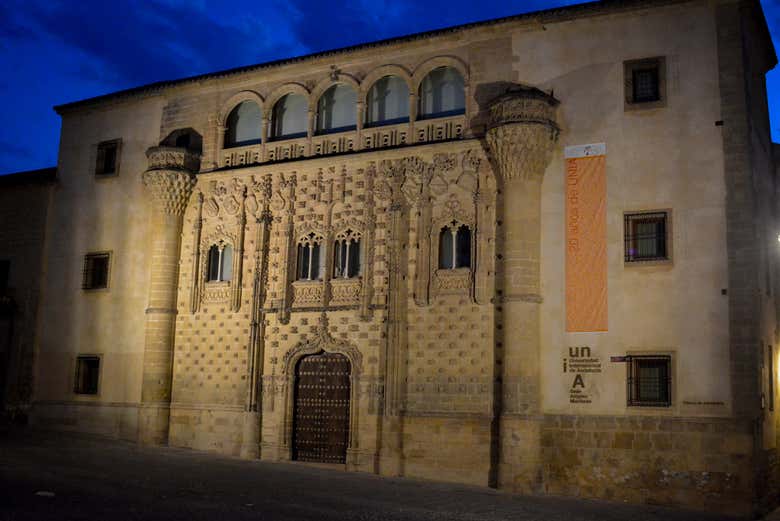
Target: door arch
(321, 408)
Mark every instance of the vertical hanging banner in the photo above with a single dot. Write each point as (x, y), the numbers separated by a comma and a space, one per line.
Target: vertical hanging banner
(586, 238)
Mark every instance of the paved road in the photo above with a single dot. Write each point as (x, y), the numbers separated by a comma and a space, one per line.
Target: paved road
(109, 480)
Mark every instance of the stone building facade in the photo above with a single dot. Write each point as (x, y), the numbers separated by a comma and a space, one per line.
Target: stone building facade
(369, 257)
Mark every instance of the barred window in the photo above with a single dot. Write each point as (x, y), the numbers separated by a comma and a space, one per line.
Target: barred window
(454, 246)
(645, 84)
(107, 158)
(96, 267)
(649, 381)
(346, 255)
(646, 236)
(87, 374)
(220, 262)
(309, 258)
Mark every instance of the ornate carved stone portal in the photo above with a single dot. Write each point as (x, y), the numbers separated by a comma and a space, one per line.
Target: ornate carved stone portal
(169, 180)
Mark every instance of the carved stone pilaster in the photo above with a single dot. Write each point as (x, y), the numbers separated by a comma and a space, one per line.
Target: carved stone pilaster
(170, 180)
(521, 136)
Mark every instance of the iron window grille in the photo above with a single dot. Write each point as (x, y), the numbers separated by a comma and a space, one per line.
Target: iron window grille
(645, 85)
(649, 382)
(646, 237)
(96, 267)
(87, 375)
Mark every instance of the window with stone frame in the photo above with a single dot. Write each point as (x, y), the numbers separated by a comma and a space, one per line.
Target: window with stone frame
(645, 83)
(290, 117)
(107, 162)
(309, 258)
(646, 236)
(442, 93)
(87, 374)
(220, 262)
(337, 109)
(649, 380)
(96, 270)
(243, 125)
(454, 246)
(346, 255)
(387, 102)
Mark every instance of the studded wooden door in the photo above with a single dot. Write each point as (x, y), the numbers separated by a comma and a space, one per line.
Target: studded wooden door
(322, 390)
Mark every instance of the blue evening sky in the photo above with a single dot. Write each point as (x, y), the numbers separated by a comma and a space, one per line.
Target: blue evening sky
(58, 51)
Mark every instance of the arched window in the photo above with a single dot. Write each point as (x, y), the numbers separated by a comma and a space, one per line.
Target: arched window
(309, 258)
(387, 102)
(454, 246)
(337, 109)
(290, 117)
(442, 93)
(220, 263)
(243, 125)
(346, 255)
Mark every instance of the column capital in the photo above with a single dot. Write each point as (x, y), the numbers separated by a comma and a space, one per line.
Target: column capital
(170, 177)
(522, 133)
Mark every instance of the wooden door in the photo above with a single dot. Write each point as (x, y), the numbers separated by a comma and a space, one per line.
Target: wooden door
(322, 390)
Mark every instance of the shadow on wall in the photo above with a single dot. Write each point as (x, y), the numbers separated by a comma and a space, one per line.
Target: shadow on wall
(184, 138)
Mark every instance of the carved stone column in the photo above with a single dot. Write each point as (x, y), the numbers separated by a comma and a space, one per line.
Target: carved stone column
(521, 135)
(169, 180)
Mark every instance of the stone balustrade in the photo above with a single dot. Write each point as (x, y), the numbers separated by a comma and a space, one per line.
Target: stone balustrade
(370, 138)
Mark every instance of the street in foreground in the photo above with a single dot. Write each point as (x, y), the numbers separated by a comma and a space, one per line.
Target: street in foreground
(62, 476)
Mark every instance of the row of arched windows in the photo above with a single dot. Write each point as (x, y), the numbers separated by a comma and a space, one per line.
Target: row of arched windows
(441, 94)
(346, 256)
(454, 253)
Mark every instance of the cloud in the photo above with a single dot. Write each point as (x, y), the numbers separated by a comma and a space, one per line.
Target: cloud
(140, 43)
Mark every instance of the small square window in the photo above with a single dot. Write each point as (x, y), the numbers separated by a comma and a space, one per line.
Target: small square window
(96, 267)
(649, 381)
(646, 237)
(645, 83)
(87, 374)
(107, 163)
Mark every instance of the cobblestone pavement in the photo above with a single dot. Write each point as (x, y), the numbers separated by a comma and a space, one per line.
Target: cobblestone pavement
(60, 477)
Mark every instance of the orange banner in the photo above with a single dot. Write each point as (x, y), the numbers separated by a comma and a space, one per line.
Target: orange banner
(586, 239)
